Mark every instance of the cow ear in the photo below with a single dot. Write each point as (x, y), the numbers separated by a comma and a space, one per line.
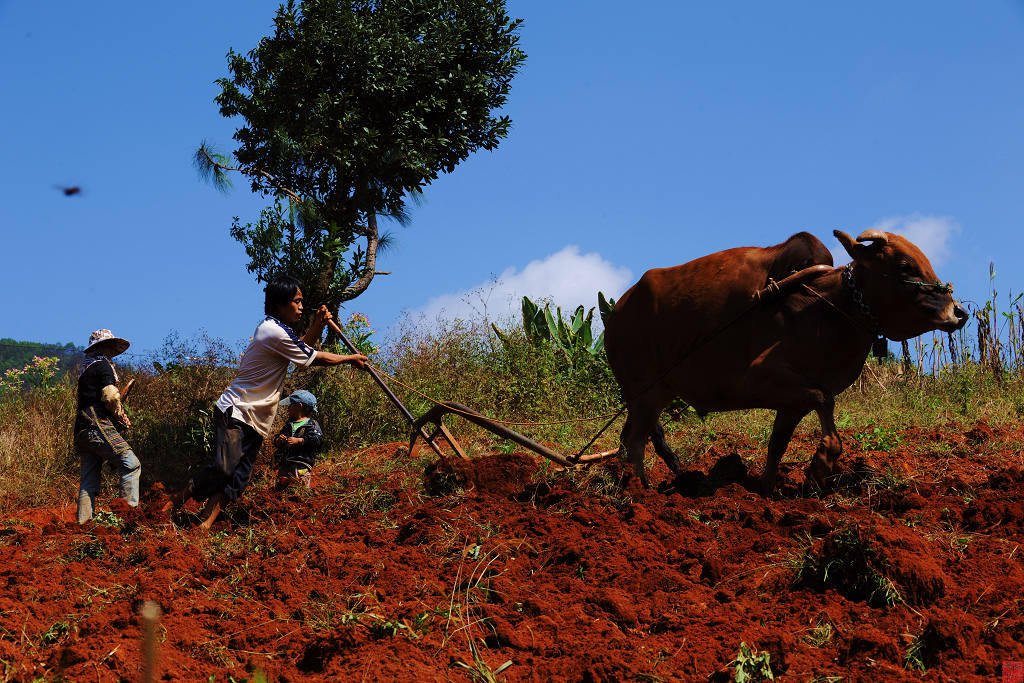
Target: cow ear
(856, 248)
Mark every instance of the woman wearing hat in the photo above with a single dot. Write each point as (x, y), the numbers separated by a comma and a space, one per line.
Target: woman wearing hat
(99, 419)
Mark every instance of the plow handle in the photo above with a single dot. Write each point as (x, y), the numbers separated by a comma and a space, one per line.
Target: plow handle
(385, 388)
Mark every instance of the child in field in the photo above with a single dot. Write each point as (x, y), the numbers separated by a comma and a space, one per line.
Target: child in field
(245, 411)
(298, 442)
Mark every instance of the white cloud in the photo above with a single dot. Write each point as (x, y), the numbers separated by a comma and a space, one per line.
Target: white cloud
(932, 234)
(566, 278)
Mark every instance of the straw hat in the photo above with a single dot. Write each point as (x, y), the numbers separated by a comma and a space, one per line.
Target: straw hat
(105, 340)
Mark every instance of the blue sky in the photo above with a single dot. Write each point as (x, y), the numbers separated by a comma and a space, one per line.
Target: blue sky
(644, 136)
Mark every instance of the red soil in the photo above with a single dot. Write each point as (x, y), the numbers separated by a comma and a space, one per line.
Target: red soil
(569, 578)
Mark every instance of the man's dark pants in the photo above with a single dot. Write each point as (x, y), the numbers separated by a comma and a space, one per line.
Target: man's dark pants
(238, 446)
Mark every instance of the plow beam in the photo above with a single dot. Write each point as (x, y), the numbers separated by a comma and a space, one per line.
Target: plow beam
(435, 414)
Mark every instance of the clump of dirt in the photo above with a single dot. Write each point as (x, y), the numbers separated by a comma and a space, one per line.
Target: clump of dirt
(729, 469)
(850, 561)
(498, 474)
(981, 433)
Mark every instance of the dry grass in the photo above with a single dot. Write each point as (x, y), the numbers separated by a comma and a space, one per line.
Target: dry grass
(519, 381)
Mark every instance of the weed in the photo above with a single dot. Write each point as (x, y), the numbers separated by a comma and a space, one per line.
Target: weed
(110, 519)
(91, 550)
(960, 543)
(913, 660)
(878, 439)
(821, 634)
(56, 631)
(915, 520)
(887, 480)
(751, 666)
(258, 676)
(421, 622)
(505, 446)
(847, 562)
(381, 628)
(479, 670)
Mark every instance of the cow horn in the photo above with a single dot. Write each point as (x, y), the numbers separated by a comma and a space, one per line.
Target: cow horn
(879, 238)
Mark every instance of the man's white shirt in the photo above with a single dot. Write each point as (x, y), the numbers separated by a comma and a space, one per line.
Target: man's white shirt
(254, 394)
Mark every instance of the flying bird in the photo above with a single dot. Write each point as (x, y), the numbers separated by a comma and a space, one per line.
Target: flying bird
(69, 191)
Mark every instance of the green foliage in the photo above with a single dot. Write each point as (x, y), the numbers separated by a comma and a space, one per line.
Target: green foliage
(172, 409)
(605, 306)
(39, 374)
(389, 628)
(35, 441)
(348, 109)
(287, 240)
(914, 659)
(573, 339)
(358, 331)
(18, 354)
(105, 518)
(878, 438)
(750, 666)
(56, 632)
(514, 380)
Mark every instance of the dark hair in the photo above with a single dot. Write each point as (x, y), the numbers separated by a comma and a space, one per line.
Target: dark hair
(279, 291)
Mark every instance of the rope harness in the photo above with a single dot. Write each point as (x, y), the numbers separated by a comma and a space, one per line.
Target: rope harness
(937, 286)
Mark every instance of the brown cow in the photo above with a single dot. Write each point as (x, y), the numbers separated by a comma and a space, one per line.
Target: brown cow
(698, 332)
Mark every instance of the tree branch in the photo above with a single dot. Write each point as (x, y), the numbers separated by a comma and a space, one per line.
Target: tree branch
(372, 239)
(251, 172)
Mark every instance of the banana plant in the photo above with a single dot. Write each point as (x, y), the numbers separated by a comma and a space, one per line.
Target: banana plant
(572, 337)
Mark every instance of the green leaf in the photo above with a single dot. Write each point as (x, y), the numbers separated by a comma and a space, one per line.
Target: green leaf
(552, 325)
(605, 306)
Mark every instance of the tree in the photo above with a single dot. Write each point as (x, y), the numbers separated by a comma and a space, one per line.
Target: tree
(350, 108)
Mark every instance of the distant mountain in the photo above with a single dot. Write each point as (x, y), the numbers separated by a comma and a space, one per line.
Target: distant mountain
(17, 354)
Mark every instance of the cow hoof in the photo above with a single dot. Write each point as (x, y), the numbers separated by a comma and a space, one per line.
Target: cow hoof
(816, 479)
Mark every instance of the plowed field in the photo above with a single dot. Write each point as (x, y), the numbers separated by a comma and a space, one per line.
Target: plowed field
(396, 569)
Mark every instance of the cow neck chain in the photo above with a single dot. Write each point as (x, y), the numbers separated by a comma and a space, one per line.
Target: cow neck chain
(858, 297)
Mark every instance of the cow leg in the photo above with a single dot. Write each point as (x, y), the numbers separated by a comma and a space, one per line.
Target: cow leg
(640, 422)
(782, 431)
(661, 447)
(829, 449)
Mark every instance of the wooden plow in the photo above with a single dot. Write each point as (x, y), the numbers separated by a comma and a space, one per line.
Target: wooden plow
(435, 415)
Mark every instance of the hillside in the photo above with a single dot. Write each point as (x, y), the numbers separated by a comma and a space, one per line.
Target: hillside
(17, 354)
